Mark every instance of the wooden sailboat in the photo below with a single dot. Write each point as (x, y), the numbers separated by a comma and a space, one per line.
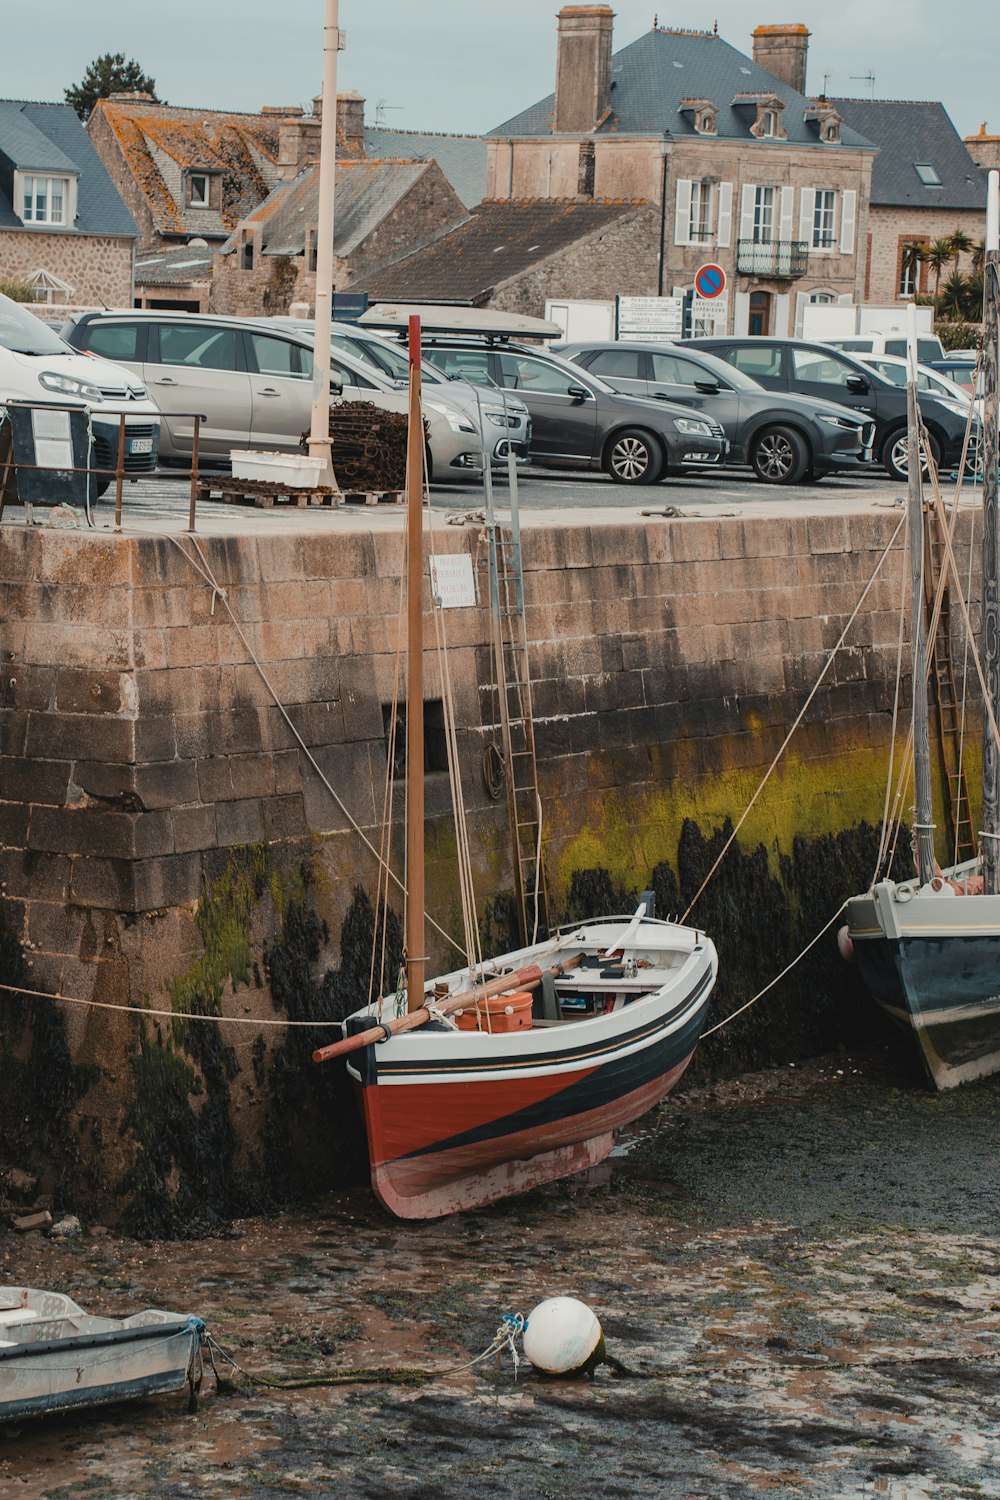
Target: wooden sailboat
(929, 949)
(493, 1079)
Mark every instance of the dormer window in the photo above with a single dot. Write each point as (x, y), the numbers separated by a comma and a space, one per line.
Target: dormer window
(199, 190)
(706, 124)
(769, 123)
(767, 126)
(704, 113)
(831, 133)
(826, 120)
(45, 200)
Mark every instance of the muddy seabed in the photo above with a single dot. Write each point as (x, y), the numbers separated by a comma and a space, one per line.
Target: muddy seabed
(803, 1263)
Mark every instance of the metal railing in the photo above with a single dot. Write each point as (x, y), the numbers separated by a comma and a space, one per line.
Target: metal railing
(780, 258)
(119, 473)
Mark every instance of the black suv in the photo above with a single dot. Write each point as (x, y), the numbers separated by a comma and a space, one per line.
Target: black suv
(819, 370)
(576, 420)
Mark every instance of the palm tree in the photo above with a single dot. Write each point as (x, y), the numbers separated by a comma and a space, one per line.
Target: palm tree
(912, 255)
(979, 256)
(955, 297)
(961, 244)
(938, 255)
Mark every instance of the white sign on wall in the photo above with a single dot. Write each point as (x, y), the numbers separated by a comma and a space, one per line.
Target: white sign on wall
(646, 319)
(453, 584)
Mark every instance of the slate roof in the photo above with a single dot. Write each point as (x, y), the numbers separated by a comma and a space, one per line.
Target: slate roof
(905, 132)
(499, 240)
(364, 193)
(462, 158)
(50, 138)
(178, 266)
(652, 75)
(160, 142)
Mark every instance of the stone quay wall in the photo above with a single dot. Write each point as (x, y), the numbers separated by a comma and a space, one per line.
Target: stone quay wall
(167, 843)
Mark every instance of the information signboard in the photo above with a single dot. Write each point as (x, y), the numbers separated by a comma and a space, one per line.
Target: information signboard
(452, 582)
(646, 319)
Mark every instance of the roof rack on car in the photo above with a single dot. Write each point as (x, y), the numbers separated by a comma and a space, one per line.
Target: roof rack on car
(474, 322)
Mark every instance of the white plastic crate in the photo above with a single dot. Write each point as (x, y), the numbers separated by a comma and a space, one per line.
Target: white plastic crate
(297, 470)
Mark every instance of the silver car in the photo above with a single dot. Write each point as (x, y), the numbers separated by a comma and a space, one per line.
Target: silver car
(253, 384)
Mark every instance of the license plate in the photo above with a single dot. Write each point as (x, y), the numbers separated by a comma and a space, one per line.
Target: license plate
(141, 445)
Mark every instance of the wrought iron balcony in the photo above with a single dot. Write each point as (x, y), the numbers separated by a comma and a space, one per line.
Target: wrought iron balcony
(772, 258)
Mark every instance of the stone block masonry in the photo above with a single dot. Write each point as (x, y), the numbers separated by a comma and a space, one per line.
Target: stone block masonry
(145, 766)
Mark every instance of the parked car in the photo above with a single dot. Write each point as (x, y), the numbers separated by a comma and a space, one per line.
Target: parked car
(37, 365)
(576, 420)
(818, 370)
(964, 370)
(928, 345)
(253, 384)
(505, 423)
(784, 438)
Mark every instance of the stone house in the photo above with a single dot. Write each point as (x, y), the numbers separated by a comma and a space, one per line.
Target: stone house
(513, 255)
(745, 170)
(925, 184)
(63, 226)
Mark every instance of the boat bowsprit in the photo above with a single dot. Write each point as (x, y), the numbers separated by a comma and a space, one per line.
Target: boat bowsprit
(54, 1356)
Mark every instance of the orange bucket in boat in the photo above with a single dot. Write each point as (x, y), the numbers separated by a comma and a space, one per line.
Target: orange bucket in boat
(497, 1013)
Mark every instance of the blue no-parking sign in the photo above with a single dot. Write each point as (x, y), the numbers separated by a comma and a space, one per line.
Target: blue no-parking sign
(710, 281)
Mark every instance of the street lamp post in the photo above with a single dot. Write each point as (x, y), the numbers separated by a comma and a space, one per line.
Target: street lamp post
(666, 147)
(319, 430)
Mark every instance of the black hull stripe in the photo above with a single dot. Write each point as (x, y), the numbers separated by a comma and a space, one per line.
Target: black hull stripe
(596, 1052)
(617, 1078)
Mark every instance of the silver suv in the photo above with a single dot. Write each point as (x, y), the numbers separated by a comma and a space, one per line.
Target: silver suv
(253, 384)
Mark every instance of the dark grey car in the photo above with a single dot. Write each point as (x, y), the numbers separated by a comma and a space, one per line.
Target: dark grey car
(579, 422)
(785, 438)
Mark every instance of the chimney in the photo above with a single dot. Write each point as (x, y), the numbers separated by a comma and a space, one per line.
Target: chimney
(984, 149)
(583, 67)
(351, 123)
(298, 144)
(782, 51)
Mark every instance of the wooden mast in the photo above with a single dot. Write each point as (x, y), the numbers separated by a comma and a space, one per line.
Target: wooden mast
(990, 636)
(416, 959)
(922, 826)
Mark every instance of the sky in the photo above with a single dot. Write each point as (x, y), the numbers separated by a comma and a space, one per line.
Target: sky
(468, 65)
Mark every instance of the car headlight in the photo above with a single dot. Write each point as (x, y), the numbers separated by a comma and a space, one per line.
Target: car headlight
(847, 422)
(691, 428)
(455, 419)
(502, 418)
(68, 385)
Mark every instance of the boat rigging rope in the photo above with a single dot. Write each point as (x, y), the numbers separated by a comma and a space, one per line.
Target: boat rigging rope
(798, 720)
(201, 566)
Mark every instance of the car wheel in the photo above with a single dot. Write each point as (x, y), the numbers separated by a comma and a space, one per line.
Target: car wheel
(895, 454)
(633, 457)
(779, 456)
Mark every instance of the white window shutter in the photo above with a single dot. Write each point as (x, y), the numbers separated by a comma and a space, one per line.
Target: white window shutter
(746, 211)
(682, 212)
(848, 202)
(725, 214)
(787, 214)
(807, 211)
(741, 314)
(780, 320)
(801, 302)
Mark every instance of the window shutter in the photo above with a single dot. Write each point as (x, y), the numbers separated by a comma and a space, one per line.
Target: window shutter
(741, 315)
(807, 210)
(682, 212)
(787, 211)
(801, 302)
(780, 318)
(848, 201)
(746, 212)
(725, 214)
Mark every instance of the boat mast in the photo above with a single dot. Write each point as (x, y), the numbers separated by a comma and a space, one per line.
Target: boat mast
(416, 960)
(990, 639)
(922, 826)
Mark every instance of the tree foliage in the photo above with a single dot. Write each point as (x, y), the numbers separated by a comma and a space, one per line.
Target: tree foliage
(106, 75)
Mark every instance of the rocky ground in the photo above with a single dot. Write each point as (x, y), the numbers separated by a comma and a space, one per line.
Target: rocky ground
(799, 1268)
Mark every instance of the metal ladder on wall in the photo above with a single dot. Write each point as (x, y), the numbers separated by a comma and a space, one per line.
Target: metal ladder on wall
(941, 668)
(517, 727)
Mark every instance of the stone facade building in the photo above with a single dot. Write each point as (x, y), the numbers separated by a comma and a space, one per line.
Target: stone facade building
(745, 170)
(925, 185)
(63, 227)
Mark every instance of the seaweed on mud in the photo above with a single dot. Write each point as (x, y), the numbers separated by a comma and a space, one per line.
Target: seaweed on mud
(313, 1138)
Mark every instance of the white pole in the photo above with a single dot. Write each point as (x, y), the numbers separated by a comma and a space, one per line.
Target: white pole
(319, 432)
(990, 448)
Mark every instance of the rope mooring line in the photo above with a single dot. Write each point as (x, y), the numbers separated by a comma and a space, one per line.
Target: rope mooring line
(169, 1015)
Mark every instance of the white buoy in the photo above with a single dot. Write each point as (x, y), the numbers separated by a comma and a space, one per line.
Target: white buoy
(563, 1335)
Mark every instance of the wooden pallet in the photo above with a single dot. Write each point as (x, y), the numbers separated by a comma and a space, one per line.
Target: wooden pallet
(265, 493)
(375, 497)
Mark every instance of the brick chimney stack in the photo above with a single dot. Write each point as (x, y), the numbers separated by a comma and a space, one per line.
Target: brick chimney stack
(782, 50)
(583, 67)
(298, 142)
(351, 123)
(984, 149)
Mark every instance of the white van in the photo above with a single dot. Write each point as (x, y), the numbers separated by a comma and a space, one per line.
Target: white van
(894, 342)
(37, 365)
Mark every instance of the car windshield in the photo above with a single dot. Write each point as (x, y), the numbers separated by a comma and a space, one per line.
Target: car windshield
(22, 333)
